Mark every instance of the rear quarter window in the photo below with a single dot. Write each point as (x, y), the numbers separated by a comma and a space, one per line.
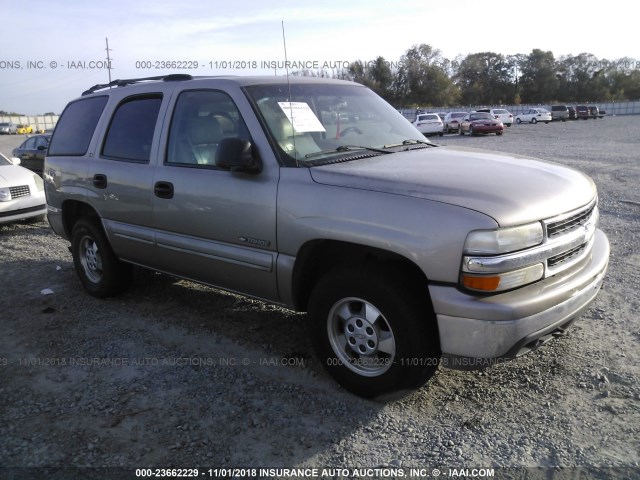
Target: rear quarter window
(76, 126)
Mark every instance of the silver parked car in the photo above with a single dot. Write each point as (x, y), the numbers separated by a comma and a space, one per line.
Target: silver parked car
(401, 252)
(8, 128)
(451, 121)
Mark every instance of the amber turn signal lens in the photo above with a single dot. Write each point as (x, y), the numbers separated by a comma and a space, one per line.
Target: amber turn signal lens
(488, 284)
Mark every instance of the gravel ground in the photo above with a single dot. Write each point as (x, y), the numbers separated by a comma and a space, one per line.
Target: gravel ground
(174, 374)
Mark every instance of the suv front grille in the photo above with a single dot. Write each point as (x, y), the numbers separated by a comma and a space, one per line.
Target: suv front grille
(570, 236)
(567, 224)
(565, 256)
(21, 191)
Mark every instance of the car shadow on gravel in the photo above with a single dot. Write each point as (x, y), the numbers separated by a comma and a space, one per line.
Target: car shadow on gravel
(169, 373)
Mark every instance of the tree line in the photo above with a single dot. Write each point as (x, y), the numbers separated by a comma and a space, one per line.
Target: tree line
(423, 77)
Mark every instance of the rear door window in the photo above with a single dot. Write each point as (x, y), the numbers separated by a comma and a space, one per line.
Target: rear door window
(130, 133)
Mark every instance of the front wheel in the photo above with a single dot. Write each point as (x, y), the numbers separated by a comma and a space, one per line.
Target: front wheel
(97, 266)
(460, 131)
(518, 121)
(534, 120)
(373, 331)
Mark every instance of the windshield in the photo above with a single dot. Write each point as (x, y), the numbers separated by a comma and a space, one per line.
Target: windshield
(480, 116)
(4, 160)
(325, 120)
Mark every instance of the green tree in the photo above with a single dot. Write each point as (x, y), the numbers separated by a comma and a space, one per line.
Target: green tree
(422, 78)
(485, 78)
(538, 81)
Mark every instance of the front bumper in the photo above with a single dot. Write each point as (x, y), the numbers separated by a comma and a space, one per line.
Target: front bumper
(512, 323)
(483, 129)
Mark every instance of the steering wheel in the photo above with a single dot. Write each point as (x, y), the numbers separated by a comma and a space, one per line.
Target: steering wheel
(349, 130)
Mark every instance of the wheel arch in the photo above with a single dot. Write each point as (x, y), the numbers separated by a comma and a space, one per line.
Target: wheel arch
(317, 257)
(72, 211)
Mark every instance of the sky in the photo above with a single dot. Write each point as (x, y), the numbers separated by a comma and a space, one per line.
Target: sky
(54, 50)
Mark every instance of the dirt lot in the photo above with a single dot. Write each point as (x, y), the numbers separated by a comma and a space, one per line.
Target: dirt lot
(173, 374)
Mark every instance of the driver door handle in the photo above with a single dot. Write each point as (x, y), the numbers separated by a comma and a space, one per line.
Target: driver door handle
(163, 189)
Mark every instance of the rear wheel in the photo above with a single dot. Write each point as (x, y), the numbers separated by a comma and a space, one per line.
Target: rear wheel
(373, 330)
(97, 266)
(518, 121)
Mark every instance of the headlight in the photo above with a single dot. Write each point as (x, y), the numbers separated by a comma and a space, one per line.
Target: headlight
(5, 195)
(38, 181)
(503, 240)
(490, 264)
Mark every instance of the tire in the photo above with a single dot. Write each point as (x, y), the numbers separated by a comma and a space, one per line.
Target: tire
(518, 121)
(440, 134)
(99, 270)
(471, 132)
(534, 120)
(508, 125)
(546, 123)
(498, 133)
(460, 132)
(373, 330)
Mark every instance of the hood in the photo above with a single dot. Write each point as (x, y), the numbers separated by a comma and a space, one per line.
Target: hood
(11, 175)
(483, 121)
(510, 188)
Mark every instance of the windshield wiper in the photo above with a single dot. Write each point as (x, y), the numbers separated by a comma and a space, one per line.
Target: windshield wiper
(409, 142)
(346, 148)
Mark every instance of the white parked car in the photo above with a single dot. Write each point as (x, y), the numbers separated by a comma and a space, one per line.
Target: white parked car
(452, 121)
(428, 124)
(21, 192)
(534, 115)
(501, 114)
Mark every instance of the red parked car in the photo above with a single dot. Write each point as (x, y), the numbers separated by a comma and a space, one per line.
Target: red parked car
(480, 122)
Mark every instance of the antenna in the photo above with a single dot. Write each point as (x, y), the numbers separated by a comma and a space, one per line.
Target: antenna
(108, 58)
(286, 67)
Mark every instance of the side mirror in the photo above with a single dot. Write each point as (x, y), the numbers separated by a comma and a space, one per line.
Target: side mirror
(16, 160)
(237, 155)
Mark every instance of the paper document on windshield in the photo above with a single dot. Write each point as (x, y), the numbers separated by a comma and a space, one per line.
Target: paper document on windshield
(301, 117)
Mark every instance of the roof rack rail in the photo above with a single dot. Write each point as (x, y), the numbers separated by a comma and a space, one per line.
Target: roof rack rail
(174, 77)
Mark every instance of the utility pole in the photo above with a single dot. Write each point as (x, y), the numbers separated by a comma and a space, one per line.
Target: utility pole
(108, 58)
